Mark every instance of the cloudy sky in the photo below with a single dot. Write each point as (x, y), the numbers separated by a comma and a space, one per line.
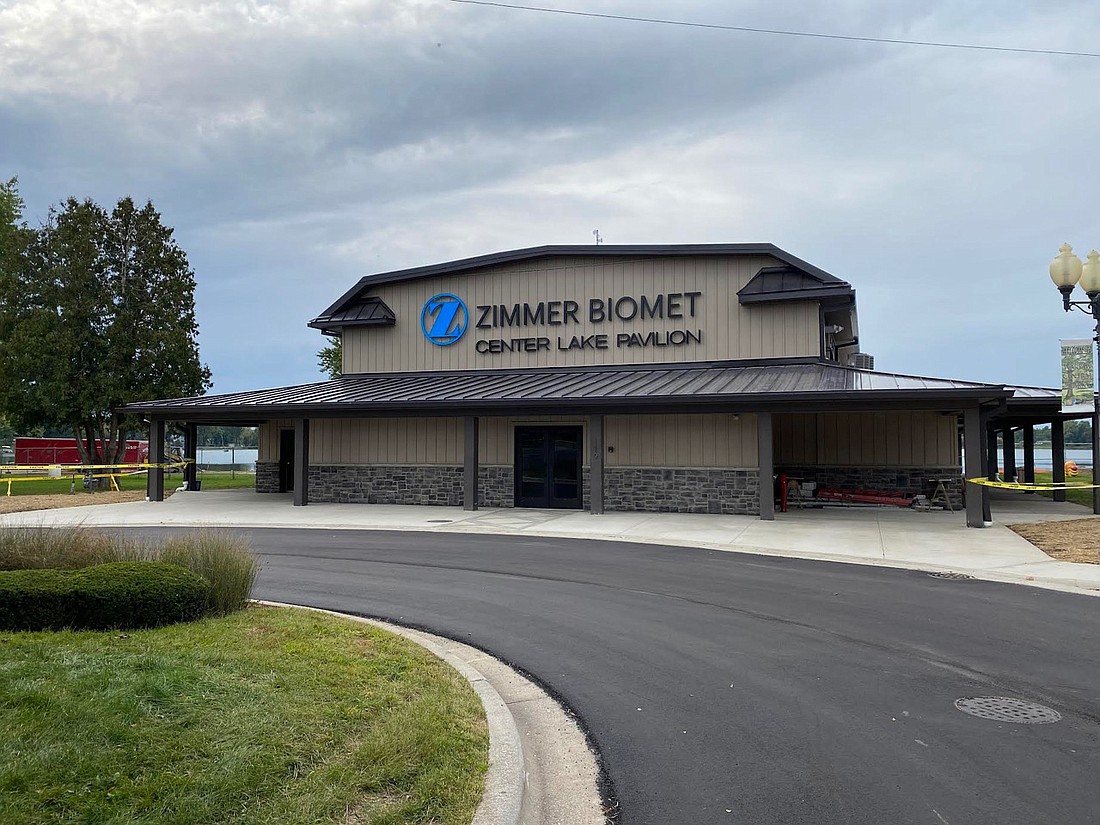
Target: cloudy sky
(296, 145)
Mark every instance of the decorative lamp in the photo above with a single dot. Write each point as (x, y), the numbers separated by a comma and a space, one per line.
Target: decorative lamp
(1090, 275)
(1065, 271)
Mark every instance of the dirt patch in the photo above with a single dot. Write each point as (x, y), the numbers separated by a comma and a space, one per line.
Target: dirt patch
(22, 504)
(1077, 540)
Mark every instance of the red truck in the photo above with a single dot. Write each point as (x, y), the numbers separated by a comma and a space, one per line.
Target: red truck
(38, 451)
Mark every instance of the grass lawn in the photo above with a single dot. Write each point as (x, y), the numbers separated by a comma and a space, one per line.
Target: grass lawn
(1082, 496)
(211, 480)
(266, 716)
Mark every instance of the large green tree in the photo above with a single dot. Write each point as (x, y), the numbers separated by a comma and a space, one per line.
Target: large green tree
(99, 312)
(330, 359)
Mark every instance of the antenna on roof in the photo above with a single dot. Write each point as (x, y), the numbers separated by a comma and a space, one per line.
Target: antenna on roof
(596, 235)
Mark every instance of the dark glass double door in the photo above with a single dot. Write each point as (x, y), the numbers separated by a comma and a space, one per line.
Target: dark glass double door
(548, 467)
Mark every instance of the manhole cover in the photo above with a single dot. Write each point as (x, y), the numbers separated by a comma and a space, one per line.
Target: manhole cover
(1003, 709)
(953, 576)
(440, 521)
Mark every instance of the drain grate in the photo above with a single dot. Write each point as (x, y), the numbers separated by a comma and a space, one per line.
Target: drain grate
(952, 576)
(1003, 709)
(440, 520)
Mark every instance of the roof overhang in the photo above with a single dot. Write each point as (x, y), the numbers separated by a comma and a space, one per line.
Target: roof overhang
(743, 388)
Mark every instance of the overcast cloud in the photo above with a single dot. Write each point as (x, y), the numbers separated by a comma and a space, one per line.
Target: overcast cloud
(296, 146)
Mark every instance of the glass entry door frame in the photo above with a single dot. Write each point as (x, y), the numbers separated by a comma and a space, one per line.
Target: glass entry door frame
(548, 461)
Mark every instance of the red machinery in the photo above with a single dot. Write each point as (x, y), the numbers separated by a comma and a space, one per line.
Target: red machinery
(38, 451)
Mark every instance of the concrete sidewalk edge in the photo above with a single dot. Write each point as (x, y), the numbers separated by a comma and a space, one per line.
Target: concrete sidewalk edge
(1070, 584)
(502, 799)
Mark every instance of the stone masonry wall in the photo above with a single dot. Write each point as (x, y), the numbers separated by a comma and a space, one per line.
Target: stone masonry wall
(267, 476)
(386, 484)
(910, 481)
(681, 490)
(496, 486)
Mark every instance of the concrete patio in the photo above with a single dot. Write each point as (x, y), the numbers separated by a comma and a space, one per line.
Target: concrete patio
(892, 537)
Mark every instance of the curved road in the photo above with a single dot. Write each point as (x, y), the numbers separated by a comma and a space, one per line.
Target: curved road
(740, 689)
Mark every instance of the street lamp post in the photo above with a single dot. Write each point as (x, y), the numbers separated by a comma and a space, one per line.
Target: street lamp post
(1067, 272)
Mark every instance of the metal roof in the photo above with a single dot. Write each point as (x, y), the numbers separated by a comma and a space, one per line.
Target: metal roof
(788, 283)
(590, 251)
(371, 311)
(668, 388)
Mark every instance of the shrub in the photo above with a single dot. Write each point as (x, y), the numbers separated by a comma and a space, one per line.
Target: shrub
(120, 595)
(25, 548)
(223, 560)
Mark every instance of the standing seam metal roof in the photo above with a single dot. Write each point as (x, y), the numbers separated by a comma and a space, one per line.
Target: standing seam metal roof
(433, 392)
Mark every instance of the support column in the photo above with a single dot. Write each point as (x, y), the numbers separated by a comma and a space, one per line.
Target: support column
(190, 454)
(972, 436)
(1096, 443)
(154, 480)
(301, 462)
(766, 465)
(991, 453)
(469, 463)
(1058, 456)
(595, 463)
(1029, 455)
(988, 464)
(1008, 446)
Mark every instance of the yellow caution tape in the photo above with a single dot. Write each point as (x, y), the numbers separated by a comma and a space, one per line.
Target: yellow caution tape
(66, 469)
(1013, 485)
(74, 470)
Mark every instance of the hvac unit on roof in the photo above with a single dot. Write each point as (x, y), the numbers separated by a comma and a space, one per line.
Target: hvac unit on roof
(861, 361)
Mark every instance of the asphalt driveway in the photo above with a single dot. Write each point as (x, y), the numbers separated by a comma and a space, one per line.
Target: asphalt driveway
(730, 688)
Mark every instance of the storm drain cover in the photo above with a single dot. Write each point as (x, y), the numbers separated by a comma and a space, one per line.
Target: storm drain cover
(1003, 709)
(440, 521)
(955, 576)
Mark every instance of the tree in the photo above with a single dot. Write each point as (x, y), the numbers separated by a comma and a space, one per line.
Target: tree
(100, 312)
(331, 358)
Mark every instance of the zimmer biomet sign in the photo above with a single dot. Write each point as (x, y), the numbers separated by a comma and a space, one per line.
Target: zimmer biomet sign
(445, 319)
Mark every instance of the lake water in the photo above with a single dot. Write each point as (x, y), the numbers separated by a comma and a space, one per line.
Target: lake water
(241, 457)
(1044, 461)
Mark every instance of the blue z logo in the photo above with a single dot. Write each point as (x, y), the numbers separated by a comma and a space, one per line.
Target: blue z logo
(447, 316)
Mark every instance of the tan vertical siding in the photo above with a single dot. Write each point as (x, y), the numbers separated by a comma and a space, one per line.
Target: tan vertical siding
(870, 439)
(729, 331)
(425, 441)
(268, 438)
(681, 441)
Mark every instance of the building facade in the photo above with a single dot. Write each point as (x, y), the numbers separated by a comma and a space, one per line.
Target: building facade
(654, 378)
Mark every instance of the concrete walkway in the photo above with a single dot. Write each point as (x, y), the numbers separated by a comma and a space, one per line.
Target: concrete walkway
(892, 537)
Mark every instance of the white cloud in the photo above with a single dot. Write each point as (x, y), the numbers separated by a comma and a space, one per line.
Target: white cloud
(297, 145)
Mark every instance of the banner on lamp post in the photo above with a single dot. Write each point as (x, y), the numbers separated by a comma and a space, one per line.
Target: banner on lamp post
(1078, 376)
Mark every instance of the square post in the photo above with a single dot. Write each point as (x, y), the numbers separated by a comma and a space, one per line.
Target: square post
(469, 463)
(190, 454)
(1058, 456)
(766, 465)
(154, 481)
(1096, 437)
(992, 462)
(1029, 455)
(989, 457)
(1008, 447)
(972, 437)
(301, 462)
(595, 463)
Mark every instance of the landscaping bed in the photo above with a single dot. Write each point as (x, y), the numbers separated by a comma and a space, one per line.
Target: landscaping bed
(1076, 540)
(264, 716)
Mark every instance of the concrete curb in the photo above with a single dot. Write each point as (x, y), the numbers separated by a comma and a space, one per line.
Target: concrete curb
(502, 799)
